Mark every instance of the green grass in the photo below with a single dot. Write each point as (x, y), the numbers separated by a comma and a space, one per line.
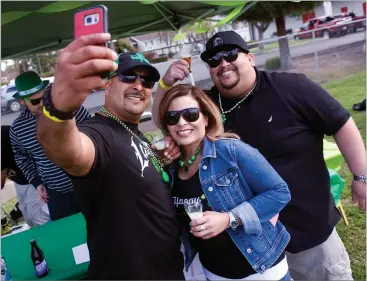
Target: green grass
(350, 90)
(275, 45)
(8, 206)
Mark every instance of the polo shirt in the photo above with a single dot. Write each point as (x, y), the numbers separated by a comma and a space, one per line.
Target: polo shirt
(286, 118)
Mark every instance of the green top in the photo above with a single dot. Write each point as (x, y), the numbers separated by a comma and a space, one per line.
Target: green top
(56, 239)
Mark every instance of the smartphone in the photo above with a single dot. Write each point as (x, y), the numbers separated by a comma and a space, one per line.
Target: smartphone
(91, 20)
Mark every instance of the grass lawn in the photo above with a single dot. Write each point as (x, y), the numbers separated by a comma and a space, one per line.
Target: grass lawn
(348, 91)
(275, 45)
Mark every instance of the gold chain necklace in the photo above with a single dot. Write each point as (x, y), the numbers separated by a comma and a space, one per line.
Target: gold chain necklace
(154, 157)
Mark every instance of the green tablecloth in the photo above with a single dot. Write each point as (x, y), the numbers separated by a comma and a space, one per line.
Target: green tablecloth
(56, 239)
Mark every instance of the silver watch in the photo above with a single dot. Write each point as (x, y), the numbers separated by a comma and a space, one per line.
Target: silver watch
(233, 223)
(359, 178)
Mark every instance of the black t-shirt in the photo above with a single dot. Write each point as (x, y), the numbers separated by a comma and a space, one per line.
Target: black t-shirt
(219, 254)
(132, 232)
(7, 158)
(286, 119)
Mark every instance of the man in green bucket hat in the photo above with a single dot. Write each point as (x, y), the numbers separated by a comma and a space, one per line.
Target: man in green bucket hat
(51, 182)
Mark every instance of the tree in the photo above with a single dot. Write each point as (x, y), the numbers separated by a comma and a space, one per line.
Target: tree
(124, 45)
(261, 28)
(268, 11)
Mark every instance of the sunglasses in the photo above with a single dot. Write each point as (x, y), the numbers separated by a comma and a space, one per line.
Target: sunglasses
(34, 101)
(189, 114)
(228, 56)
(131, 78)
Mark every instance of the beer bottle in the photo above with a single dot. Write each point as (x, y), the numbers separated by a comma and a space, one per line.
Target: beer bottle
(38, 259)
(5, 275)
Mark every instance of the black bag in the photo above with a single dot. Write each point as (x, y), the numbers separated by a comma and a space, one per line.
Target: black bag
(360, 106)
(16, 213)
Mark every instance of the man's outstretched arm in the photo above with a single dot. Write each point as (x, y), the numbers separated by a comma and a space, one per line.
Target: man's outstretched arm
(76, 74)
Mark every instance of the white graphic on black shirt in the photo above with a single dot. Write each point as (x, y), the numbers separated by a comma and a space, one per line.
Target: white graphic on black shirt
(141, 155)
(177, 201)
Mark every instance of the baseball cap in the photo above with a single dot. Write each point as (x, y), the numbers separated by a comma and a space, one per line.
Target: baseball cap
(130, 60)
(223, 40)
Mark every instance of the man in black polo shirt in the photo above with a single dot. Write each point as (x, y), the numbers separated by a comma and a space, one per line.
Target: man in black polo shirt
(286, 116)
(34, 211)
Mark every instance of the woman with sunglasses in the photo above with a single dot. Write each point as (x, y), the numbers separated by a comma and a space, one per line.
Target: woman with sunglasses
(237, 237)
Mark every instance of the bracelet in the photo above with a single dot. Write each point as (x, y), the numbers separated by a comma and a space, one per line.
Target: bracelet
(361, 178)
(53, 118)
(51, 112)
(164, 86)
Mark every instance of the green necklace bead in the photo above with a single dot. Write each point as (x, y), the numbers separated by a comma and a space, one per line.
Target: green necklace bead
(165, 176)
(224, 118)
(190, 161)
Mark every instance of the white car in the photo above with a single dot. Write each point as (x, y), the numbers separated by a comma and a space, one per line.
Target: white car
(8, 103)
(147, 115)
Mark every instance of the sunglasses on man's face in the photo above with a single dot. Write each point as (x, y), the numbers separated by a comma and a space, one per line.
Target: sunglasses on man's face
(228, 56)
(131, 78)
(34, 101)
(189, 114)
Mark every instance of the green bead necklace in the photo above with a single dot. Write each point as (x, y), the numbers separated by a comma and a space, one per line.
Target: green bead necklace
(190, 161)
(152, 154)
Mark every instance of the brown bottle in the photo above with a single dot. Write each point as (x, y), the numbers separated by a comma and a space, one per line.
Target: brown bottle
(38, 259)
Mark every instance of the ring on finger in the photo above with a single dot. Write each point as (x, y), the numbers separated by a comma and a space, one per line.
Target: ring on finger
(202, 227)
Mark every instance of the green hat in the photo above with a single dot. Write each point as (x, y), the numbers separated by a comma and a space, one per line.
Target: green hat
(28, 83)
(130, 60)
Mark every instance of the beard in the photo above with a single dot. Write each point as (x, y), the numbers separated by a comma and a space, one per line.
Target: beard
(230, 81)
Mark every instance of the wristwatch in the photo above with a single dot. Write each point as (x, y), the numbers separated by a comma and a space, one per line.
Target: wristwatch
(47, 103)
(233, 223)
(360, 178)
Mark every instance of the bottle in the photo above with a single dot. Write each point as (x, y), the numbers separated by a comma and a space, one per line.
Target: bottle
(5, 275)
(38, 259)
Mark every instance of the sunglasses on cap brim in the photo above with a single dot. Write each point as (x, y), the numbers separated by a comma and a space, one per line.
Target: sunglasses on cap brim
(227, 55)
(33, 101)
(191, 114)
(130, 78)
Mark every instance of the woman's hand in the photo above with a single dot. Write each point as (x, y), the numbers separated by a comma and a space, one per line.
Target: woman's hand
(210, 225)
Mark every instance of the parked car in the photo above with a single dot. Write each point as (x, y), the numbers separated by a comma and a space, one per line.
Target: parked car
(147, 115)
(328, 27)
(356, 22)
(8, 103)
(288, 31)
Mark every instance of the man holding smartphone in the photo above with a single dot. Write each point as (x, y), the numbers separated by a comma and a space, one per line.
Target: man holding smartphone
(132, 231)
(53, 185)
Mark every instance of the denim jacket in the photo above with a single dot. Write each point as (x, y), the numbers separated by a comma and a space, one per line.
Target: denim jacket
(236, 177)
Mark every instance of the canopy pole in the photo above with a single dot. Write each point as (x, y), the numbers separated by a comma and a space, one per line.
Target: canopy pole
(163, 15)
(191, 18)
(164, 8)
(245, 9)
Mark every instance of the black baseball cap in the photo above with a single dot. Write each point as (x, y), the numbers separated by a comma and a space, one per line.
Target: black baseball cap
(224, 40)
(130, 60)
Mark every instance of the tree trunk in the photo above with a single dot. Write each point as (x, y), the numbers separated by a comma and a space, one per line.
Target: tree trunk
(285, 56)
(261, 38)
